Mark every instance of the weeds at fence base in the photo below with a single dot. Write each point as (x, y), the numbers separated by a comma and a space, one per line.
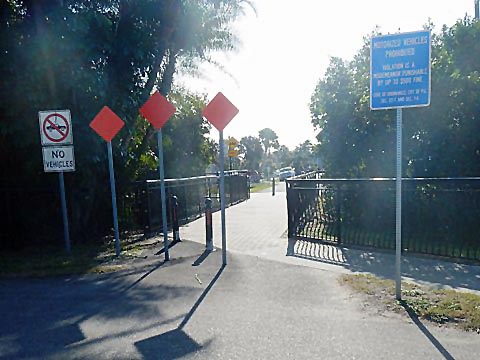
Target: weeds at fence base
(94, 257)
(440, 306)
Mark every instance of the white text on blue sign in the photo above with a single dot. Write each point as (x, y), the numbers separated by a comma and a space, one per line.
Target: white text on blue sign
(400, 70)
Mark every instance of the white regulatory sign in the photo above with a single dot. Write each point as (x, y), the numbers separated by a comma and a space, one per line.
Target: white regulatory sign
(55, 127)
(58, 158)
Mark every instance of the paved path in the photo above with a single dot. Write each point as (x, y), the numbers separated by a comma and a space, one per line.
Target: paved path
(255, 227)
(258, 227)
(251, 309)
(258, 307)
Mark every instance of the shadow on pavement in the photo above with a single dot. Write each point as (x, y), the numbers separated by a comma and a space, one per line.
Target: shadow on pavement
(382, 264)
(202, 258)
(176, 343)
(170, 245)
(173, 344)
(43, 318)
(424, 330)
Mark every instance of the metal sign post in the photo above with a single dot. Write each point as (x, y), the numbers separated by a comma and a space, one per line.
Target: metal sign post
(107, 124)
(400, 78)
(162, 193)
(398, 210)
(63, 200)
(222, 198)
(58, 155)
(114, 198)
(157, 110)
(220, 111)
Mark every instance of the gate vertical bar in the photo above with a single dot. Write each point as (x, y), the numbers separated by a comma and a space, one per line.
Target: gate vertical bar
(398, 217)
(222, 198)
(63, 200)
(162, 194)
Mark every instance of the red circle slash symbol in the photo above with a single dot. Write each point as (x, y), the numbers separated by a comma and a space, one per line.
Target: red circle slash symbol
(55, 127)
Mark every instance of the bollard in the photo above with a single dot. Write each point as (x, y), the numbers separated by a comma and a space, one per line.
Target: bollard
(273, 186)
(175, 226)
(208, 224)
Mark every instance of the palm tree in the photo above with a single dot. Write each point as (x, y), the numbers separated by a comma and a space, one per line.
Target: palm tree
(269, 139)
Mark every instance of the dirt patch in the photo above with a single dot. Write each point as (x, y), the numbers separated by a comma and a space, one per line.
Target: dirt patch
(439, 306)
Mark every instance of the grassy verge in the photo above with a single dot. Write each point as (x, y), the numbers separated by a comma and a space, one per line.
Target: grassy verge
(440, 306)
(260, 186)
(84, 259)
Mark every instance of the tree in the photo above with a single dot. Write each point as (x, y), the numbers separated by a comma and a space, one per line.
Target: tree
(303, 157)
(269, 139)
(82, 55)
(252, 149)
(282, 157)
(187, 148)
(355, 141)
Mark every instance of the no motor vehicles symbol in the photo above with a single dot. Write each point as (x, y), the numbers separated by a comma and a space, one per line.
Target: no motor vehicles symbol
(55, 127)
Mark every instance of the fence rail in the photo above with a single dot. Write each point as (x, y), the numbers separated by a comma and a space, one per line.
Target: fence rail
(32, 216)
(439, 216)
(140, 204)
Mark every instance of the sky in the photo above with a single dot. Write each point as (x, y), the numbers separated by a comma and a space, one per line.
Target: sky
(285, 49)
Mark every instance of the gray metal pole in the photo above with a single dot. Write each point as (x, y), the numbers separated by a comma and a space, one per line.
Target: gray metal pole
(222, 198)
(114, 198)
(63, 200)
(162, 194)
(398, 219)
(477, 9)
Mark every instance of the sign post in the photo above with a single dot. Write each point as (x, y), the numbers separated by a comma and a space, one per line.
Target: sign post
(400, 78)
(107, 124)
(55, 132)
(220, 111)
(157, 110)
(232, 150)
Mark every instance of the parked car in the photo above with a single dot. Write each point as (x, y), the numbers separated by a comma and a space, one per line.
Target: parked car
(255, 177)
(286, 172)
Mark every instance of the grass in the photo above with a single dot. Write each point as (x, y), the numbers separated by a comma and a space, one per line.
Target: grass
(96, 257)
(255, 187)
(440, 306)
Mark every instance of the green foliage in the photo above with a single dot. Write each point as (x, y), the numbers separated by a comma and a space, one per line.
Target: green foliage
(282, 157)
(303, 157)
(251, 148)
(186, 144)
(257, 156)
(187, 150)
(82, 55)
(438, 141)
(269, 139)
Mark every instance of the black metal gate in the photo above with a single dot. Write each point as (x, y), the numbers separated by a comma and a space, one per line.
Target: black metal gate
(439, 216)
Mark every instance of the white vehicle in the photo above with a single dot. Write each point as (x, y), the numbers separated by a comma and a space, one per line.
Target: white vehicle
(286, 172)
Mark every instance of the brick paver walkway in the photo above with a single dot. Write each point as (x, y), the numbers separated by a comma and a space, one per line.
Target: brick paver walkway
(257, 226)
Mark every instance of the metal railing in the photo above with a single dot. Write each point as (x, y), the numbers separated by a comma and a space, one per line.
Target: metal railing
(31, 216)
(439, 216)
(140, 203)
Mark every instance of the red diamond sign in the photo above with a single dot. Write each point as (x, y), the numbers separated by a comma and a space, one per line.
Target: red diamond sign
(157, 110)
(107, 124)
(220, 111)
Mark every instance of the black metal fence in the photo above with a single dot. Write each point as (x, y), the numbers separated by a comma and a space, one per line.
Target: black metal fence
(33, 216)
(140, 203)
(439, 216)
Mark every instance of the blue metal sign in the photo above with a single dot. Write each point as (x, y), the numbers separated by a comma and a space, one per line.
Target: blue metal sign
(400, 70)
